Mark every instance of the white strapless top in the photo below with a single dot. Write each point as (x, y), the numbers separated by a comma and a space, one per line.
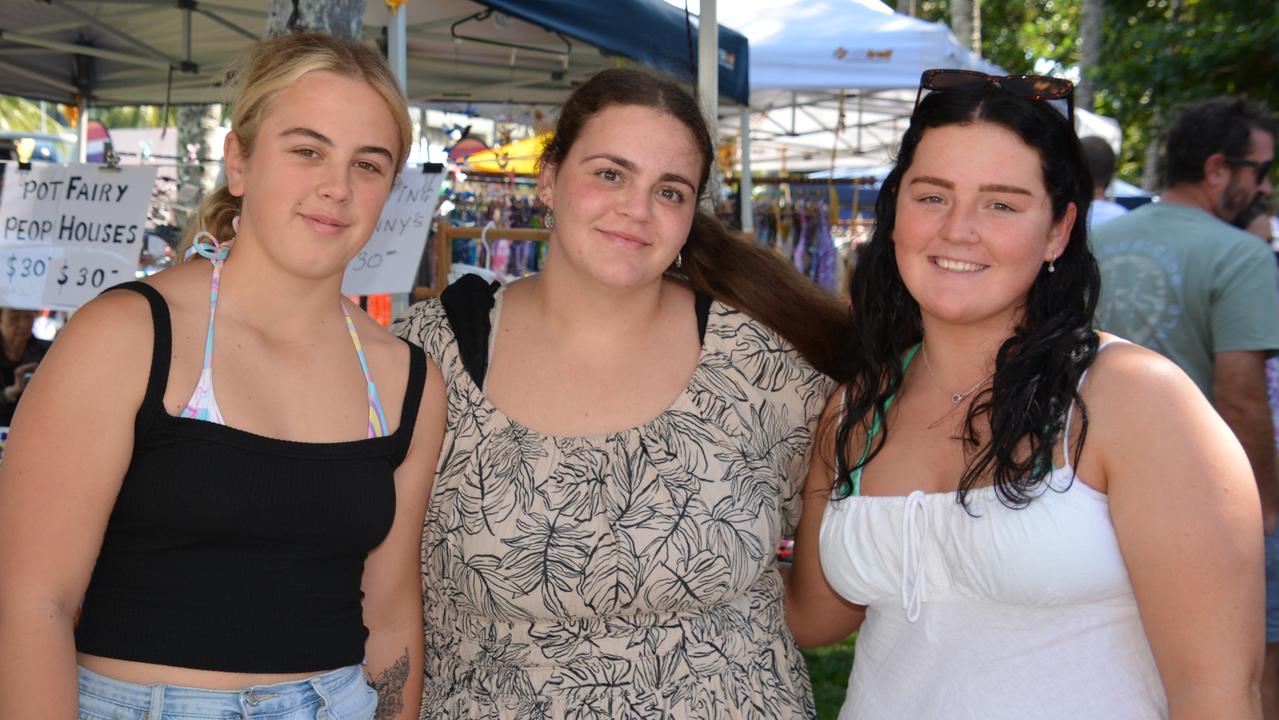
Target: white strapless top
(1006, 613)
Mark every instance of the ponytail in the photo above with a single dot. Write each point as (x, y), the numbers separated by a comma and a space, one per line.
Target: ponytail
(756, 280)
(214, 216)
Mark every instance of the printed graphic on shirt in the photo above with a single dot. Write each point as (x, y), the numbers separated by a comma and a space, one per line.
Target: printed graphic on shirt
(1143, 284)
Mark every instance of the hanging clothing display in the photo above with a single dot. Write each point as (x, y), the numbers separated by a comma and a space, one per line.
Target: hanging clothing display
(507, 201)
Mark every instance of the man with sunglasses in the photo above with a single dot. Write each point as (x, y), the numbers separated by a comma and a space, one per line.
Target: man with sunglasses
(1178, 278)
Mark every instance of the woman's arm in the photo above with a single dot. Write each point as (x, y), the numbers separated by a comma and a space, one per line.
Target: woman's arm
(68, 450)
(392, 574)
(817, 615)
(1186, 514)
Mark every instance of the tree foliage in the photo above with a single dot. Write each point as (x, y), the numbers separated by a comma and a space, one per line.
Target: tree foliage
(1155, 54)
(132, 116)
(1155, 60)
(23, 115)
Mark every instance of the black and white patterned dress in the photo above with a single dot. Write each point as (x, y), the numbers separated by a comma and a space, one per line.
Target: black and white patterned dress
(626, 575)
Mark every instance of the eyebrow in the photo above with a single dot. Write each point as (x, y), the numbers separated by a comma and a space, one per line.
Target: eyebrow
(984, 188)
(631, 167)
(321, 138)
(930, 180)
(1005, 189)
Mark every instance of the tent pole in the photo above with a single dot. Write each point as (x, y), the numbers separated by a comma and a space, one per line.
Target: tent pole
(708, 77)
(397, 46)
(708, 63)
(744, 187)
(186, 33)
(82, 129)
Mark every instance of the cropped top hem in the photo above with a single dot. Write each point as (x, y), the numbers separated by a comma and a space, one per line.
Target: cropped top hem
(232, 551)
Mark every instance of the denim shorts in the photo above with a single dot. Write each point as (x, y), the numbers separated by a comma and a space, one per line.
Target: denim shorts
(1272, 588)
(339, 695)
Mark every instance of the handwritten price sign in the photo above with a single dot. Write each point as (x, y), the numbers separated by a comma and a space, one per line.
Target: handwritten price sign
(389, 262)
(69, 231)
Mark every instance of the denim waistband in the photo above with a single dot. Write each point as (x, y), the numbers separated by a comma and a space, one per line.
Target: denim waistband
(254, 701)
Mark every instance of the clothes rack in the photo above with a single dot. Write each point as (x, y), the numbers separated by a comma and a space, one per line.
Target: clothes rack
(444, 235)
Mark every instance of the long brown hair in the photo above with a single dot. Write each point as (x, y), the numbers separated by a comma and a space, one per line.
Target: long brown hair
(272, 66)
(717, 260)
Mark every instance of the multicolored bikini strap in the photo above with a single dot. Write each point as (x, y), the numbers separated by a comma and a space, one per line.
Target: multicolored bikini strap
(377, 418)
(203, 404)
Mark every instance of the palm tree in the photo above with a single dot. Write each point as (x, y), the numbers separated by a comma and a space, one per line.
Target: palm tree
(18, 114)
(131, 116)
(1089, 52)
(965, 21)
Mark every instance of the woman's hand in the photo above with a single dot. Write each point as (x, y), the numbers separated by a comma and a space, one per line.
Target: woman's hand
(20, 378)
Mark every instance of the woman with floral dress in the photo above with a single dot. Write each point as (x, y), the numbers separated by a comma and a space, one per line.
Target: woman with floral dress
(626, 440)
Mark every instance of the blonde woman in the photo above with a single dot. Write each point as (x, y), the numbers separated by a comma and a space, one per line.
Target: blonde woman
(250, 549)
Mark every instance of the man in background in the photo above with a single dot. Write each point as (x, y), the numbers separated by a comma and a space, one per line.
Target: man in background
(1101, 163)
(1177, 277)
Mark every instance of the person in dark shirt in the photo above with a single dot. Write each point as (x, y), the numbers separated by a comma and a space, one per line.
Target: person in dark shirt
(21, 352)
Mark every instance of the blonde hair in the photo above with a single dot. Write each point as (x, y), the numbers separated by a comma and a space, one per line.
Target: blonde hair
(270, 67)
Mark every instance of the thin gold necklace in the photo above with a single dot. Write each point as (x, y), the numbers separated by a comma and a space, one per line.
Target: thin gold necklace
(958, 397)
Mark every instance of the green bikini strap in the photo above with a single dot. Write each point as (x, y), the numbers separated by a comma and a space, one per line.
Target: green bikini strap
(856, 474)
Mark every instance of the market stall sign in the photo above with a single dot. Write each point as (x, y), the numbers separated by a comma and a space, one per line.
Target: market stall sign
(389, 262)
(67, 232)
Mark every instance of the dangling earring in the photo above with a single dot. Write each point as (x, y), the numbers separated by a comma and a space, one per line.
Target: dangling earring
(679, 259)
(1052, 266)
(549, 221)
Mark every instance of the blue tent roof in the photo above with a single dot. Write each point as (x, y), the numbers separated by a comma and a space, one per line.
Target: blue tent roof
(650, 31)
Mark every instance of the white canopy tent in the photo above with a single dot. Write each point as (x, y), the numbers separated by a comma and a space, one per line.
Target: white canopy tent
(811, 58)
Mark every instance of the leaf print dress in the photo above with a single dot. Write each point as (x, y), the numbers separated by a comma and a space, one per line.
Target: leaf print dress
(625, 575)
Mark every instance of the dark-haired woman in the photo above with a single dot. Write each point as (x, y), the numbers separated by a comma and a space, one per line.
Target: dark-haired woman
(626, 439)
(1026, 519)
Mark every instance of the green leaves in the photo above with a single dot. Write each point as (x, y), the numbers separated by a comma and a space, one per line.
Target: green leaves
(1155, 54)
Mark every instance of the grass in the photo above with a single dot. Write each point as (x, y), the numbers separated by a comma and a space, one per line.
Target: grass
(829, 667)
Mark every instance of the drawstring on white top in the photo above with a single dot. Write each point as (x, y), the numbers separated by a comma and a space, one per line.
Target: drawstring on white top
(913, 544)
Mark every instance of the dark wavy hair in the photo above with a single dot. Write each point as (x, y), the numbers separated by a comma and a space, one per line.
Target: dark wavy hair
(716, 260)
(1037, 370)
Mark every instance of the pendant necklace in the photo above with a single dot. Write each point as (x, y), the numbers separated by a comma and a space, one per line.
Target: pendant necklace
(958, 397)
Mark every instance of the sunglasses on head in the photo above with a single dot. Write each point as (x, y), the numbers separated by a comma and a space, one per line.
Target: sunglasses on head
(1029, 87)
(1262, 168)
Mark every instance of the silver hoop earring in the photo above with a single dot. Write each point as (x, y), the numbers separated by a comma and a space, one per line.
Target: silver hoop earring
(549, 221)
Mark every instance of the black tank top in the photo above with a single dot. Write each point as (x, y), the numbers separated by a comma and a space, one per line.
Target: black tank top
(232, 551)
